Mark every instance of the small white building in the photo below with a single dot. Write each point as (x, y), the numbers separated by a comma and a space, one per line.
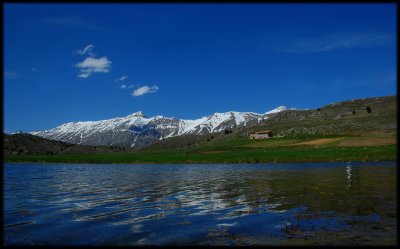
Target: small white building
(261, 134)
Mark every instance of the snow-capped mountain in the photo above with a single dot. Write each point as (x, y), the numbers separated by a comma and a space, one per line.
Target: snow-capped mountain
(137, 130)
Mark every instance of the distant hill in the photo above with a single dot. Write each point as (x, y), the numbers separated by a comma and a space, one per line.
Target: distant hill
(27, 144)
(359, 117)
(353, 117)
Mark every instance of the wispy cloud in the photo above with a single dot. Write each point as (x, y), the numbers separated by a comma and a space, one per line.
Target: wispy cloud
(87, 50)
(121, 79)
(93, 65)
(74, 22)
(11, 75)
(144, 90)
(125, 86)
(330, 42)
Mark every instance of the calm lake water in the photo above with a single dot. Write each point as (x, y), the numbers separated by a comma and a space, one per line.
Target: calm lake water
(238, 204)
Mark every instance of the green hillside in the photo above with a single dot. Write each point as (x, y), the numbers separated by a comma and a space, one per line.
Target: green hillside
(334, 120)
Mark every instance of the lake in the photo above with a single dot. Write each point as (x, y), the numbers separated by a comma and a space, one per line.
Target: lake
(350, 203)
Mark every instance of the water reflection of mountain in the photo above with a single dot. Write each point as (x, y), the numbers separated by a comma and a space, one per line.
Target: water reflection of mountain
(365, 190)
(253, 202)
(347, 189)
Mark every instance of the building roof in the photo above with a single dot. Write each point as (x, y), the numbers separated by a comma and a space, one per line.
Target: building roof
(263, 131)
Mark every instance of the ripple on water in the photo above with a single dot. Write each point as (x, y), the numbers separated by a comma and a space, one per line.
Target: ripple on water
(199, 204)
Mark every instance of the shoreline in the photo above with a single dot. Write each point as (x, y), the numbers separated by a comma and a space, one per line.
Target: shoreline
(194, 163)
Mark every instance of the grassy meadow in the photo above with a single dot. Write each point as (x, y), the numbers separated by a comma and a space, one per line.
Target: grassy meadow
(243, 150)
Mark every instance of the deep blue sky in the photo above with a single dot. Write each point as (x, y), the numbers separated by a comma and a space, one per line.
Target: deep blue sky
(194, 59)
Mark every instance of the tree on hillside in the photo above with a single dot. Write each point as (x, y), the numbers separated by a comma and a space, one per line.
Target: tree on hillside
(368, 108)
(227, 131)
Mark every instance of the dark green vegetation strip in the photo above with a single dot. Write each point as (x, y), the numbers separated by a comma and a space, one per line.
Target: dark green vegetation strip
(236, 155)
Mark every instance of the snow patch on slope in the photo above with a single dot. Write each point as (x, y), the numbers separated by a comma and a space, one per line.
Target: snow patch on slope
(278, 109)
(138, 123)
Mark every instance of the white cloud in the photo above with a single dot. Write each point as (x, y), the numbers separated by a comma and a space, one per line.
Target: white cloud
(122, 78)
(144, 90)
(93, 65)
(123, 86)
(87, 50)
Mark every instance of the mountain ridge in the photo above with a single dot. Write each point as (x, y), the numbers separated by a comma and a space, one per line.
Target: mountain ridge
(137, 130)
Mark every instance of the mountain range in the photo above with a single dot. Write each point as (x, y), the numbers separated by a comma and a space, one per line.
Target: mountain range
(136, 130)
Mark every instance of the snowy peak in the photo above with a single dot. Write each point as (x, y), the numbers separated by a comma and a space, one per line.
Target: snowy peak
(137, 130)
(278, 109)
(138, 114)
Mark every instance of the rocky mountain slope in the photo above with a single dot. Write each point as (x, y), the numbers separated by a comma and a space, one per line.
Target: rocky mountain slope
(137, 130)
(366, 117)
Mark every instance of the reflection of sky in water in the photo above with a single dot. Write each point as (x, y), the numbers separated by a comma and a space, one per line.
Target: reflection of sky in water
(156, 204)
